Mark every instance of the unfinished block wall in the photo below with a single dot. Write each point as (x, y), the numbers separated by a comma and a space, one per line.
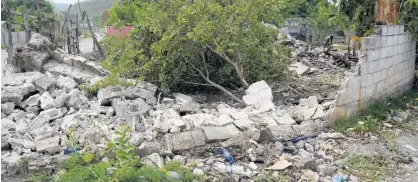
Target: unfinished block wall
(386, 68)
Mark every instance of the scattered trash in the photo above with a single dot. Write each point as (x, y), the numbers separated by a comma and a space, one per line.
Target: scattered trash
(303, 138)
(72, 150)
(280, 165)
(338, 178)
(228, 157)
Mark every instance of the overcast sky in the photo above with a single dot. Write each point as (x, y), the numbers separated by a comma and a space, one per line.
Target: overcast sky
(65, 1)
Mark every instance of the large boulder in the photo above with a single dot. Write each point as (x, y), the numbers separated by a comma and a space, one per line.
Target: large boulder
(33, 55)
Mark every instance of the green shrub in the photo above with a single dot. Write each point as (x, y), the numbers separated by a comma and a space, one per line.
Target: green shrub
(175, 43)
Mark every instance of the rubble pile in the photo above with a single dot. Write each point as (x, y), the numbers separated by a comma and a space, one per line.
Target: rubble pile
(44, 112)
(318, 72)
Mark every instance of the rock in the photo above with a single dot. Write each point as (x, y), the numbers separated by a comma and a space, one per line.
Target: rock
(239, 115)
(309, 176)
(243, 124)
(286, 120)
(37, 123)
(133, 93)
(319, 114)
(7, 107)
(259, 94)
(47, 101)
(130, 109)
(5, 145)
(402, 114)
(224, 119)
(199, 138)
(50, 145)
(105, 95)
(148, 148)
(335, 135)
(174, 175)
(180, 159)
(66, 83)
(56, 93)
(74, 60)
(56, 55)
(137, 139)
(70, 121)
(252, 166)
(284, 132)
(181, 98)
(214, 134)
(13, 162)
(238, 140)
(309, 147)
(189, 107)
(182, 141)
(167, 101)
(44, 84)
(33, 55)
(16, 94)
(279, 147)
(265, 135)
(22, 125)
(76, 99)
(61, 99)
(153, 160)
(17, 115)
(198, 172)
(280, 165)
(299, 68)
(52, 113)
(32, 101)
(8, 124)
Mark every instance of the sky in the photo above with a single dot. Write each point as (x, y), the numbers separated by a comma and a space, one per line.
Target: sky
(65, 1)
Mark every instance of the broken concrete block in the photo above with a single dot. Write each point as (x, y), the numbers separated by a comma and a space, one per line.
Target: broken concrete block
(33, 100)
(153, 160)
(168, 101)
(56, 55)
(8, 124)
(16, 94)
(50, 145)
(67, 83)
(319, 114)
(148, 148)
(182, 141)
(214, 134)
(299, 68)
(239, 115)
(181, 98)
(133, 93)
(74, 60)
(286, 120)
(224, 119)
(243, 124)
(199, 138)
(105, 95)
(76, 99)
(7, 107)
(190, 107)
(259, 94)
(47, 101)
(44, 84)
(60, 100)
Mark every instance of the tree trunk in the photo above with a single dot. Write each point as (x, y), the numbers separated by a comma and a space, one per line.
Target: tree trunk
(25, 22)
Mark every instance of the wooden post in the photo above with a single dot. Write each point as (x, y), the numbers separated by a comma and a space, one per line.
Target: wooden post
(94, 35)
(25, 22)
(77, 46)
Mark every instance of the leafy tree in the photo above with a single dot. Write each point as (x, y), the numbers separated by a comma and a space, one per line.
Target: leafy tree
(408, 14)
(200, 42)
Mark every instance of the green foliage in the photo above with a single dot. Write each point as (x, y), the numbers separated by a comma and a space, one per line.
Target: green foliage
(408, 14)
(108, 81)
(124, 167)
(39, 178)
(173, 41)
(361, 15)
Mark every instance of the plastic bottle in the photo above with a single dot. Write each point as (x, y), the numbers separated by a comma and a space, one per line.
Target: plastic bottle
(228, 157)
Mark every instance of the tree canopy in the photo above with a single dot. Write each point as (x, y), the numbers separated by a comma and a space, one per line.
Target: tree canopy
(210, 42)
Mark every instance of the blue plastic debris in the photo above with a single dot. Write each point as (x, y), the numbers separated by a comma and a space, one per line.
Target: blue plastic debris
(338, 178)
(228, 157)
(303, 138)
(72, 150)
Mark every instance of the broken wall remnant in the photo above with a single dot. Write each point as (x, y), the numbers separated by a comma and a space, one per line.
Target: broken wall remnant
(386, 68)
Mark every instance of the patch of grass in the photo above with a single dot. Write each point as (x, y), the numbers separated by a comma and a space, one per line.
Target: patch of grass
(376, 112)
(368, 168)
(268, 177)
(185, 173)
(3, 48)
(39, 178)
(334, 80)
(390, 138)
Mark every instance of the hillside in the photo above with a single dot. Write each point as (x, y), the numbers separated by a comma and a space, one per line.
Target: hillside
(60, 6)
(92, 7)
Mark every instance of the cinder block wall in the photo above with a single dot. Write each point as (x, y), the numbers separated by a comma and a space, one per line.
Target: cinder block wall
(386, 68)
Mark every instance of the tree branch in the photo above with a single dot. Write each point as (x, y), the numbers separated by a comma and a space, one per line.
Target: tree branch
(204, 64)
(236, 67)
(215, 85)
(194, 83)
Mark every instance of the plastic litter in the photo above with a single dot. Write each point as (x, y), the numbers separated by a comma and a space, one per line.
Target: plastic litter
(225, 153)
(303, 138)
(338, 178)
(71, 150)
